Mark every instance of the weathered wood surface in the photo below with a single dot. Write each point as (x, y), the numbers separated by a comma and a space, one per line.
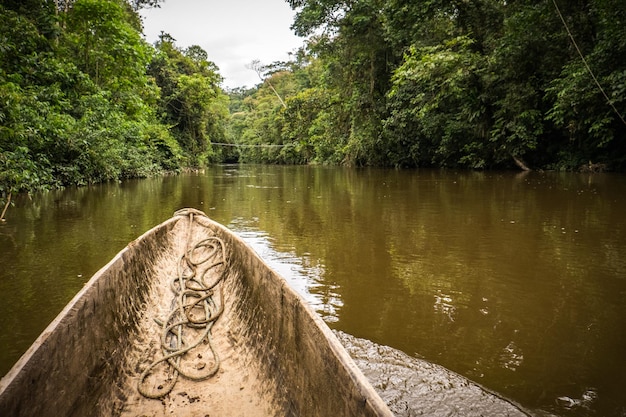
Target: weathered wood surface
(278, 357)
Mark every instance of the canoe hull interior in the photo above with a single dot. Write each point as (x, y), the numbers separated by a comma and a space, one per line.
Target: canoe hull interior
(277, 357)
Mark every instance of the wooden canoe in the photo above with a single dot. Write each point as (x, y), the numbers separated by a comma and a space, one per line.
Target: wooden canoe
(187, 320)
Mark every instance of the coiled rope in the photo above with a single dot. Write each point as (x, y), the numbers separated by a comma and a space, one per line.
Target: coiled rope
(195, 309)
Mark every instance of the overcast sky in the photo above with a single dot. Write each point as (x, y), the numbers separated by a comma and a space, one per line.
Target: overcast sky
(233, 32)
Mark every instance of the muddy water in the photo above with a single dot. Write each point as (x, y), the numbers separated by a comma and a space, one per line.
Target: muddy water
(515, 281)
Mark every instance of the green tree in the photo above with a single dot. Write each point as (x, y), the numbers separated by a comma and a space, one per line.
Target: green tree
(31, 100)
(76, 105)
(479, 84)
(588, 96)
(437, 114)
(357, 61)
(192, 102)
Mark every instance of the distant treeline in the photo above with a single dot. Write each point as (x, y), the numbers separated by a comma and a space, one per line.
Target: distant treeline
(445, 83)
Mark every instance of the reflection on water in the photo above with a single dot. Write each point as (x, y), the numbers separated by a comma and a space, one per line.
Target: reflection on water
(303, 273)
(516, 281)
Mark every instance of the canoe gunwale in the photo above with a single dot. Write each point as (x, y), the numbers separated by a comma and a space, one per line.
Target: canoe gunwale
(370, 402)
(294, 329)
(29, 374)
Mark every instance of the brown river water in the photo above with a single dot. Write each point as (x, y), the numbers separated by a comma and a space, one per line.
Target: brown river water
(514, 280)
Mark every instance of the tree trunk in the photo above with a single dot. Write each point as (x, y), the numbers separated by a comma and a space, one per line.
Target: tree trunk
(6, 206)
(520, 163)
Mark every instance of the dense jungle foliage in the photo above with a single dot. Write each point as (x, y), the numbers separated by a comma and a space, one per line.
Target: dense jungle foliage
(445, 83)
(455, 83)
(84, 98)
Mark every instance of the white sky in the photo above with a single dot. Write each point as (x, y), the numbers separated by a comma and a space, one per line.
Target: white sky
(233, 32)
